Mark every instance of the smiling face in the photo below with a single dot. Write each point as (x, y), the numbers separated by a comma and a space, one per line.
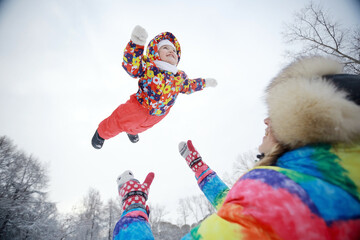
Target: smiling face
(168, 54)
(268, 140)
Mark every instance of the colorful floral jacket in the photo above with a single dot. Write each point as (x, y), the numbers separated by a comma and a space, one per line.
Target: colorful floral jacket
(311, 193)
(158, 89)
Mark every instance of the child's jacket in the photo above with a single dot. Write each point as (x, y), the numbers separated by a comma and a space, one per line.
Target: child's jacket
(158, 89)
(311, 193)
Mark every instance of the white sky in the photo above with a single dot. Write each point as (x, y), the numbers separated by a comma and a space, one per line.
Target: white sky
(61, 74)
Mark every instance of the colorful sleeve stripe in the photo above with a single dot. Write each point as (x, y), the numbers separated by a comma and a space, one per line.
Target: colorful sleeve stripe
(203, 175)
(132, 228)
(214, 189)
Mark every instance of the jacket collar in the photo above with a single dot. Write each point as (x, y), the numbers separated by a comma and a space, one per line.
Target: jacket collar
(166, 66)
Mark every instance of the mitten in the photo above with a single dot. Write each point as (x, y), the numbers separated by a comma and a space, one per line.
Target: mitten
(133, 193)
(139, 35)
(193, 158)
(123, 178)
(210, 82)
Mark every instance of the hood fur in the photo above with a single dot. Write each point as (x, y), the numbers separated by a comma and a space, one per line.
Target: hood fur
(305, 107)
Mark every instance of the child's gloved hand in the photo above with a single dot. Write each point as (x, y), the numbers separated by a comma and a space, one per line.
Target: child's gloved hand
(139, 35)
(133, 193)
(210, 82)
(192, 158)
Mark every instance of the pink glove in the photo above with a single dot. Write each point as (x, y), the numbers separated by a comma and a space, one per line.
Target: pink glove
(134, 194)
(192, 158)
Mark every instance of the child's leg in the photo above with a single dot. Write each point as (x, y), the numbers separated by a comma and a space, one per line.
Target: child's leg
(125, 118)
(148, 122)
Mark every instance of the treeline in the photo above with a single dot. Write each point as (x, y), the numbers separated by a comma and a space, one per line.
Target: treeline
(27, 213)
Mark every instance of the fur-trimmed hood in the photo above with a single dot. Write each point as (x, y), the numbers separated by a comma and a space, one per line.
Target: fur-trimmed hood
(308, 104)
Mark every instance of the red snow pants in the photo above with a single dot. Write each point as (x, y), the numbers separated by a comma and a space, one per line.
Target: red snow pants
(129, 117)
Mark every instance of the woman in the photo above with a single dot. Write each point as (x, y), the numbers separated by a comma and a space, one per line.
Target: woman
(306, 185)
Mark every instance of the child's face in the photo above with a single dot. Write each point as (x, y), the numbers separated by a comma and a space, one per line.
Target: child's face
(168, 54)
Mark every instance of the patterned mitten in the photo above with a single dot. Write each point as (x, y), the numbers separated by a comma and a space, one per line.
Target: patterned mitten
(139, 35)
(123, 178)
(133, 193)
(193, 159)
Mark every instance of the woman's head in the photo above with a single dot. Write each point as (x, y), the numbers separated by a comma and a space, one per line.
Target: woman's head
(311, 101)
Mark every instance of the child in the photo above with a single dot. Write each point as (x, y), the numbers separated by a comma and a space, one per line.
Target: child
(160, 82)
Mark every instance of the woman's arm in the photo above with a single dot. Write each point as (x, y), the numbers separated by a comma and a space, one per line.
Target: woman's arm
(212, 186)
(134, 222)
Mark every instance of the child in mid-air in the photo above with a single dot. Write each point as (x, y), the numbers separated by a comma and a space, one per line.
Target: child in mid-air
(160, 82)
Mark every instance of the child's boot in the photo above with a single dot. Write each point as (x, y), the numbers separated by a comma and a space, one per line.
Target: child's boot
(133, 138)
(97, 141)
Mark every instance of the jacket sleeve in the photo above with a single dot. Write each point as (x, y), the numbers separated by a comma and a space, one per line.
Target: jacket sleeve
(133, 60)
(214, 227)
(213, 188)
(191, 85)
(133, 225)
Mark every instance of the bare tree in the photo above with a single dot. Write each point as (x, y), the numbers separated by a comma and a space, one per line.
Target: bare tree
(87, 219)
(156, 219)
(319, 34)
(183, 211)
(25, 212)
(112, 212)
(68, 226)
(205, 207)
(194, 208)
(91, 217)
(199, 207)
(157, 214)
(243, 163)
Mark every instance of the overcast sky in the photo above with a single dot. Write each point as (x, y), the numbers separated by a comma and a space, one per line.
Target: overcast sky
(61, 74)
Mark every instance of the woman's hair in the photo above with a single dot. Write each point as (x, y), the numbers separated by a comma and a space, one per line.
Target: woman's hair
(271, 158)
